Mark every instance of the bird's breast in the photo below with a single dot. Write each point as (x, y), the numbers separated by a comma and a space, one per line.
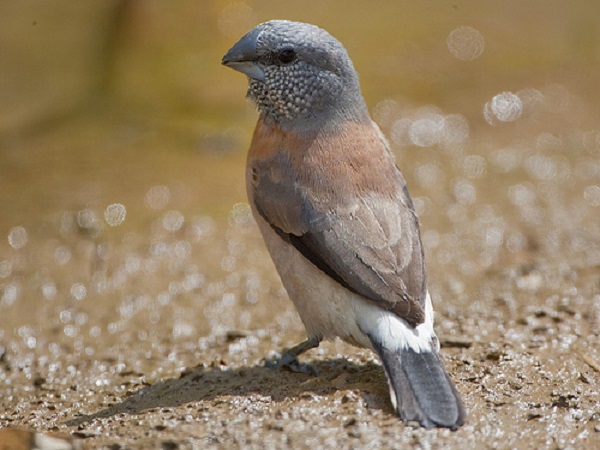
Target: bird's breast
(346, 162)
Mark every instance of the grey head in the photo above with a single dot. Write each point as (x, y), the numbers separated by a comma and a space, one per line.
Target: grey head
(299, 75)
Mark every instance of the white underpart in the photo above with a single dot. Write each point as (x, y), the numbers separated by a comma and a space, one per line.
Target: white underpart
(394, 333)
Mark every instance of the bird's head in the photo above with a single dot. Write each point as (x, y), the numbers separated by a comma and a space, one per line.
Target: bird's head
(299, 75)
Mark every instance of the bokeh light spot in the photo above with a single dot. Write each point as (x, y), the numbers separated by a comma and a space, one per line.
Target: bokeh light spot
(456, 129)
(505, 107)
(78, 291)
(465, 192)
(465, 43)
(474, 166)
(5, 269)
(427, 131)
(17, 237)
(591, 194)
(157, 197)
(115, 214)
(173, 221)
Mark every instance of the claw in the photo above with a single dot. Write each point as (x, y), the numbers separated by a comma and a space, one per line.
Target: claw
(291, 363)
(289, 359)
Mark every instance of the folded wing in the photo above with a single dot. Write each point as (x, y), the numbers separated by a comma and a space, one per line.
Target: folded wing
(367, 241)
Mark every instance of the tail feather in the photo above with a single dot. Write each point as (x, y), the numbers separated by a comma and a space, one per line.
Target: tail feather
(420, 387)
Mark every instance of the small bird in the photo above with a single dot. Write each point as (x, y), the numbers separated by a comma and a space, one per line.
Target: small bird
(336, 216)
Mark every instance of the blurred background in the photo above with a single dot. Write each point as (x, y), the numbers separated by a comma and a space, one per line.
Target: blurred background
(123, 140)
(126, 243)
(99, 101)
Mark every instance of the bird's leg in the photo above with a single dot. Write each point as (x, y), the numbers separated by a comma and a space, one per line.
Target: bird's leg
(291, 356)
(289, 359)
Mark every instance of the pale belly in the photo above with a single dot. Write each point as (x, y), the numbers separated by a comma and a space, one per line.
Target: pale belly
(327, 309)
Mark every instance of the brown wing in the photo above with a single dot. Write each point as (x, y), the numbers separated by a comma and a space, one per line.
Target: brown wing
(366, 240)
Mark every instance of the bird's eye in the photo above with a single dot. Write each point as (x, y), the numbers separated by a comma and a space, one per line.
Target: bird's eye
(286, 56)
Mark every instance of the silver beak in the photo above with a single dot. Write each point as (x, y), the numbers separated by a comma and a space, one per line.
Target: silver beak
(243, 56)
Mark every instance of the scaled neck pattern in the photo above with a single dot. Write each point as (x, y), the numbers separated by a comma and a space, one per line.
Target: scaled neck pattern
(322, 102)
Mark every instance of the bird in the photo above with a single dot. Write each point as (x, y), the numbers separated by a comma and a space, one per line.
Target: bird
(336, 216)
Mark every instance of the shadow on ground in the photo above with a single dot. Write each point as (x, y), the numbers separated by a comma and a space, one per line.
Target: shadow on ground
(200, 384)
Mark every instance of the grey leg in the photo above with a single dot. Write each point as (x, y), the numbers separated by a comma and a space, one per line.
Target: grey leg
(289, 359)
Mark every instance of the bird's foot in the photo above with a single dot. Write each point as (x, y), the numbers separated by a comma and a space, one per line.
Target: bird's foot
(290, 362)
(289, 359)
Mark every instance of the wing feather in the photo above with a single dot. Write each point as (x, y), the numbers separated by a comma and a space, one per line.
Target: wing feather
(368, 241)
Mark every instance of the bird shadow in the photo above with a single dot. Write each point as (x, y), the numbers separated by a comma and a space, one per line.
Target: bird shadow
(201, 384)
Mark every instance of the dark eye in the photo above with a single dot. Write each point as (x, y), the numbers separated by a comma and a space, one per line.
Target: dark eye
(286, 56)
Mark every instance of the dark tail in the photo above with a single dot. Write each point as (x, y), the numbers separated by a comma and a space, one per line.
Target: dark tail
(420, 388)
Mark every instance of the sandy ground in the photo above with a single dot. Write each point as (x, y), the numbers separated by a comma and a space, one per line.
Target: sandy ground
(155, 336)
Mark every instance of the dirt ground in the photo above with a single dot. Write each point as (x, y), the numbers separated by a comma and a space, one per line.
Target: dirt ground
(138, 304)
(155, 336)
